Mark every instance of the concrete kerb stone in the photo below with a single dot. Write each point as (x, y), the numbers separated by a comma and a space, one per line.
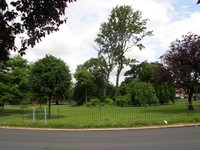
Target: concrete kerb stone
(103, 129)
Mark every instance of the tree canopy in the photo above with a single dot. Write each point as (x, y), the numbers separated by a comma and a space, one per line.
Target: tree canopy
(182, 60)
(50, 78)
(84, 84)
(14, 81)
(125, 28)
(30, 20)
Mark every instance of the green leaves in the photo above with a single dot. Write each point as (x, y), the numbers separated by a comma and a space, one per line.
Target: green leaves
(124, 30)
(143, 93)
(50, 77)
(34, 18)
(14, 80)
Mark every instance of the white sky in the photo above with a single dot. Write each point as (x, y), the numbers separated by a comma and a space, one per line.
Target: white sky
(169, 19)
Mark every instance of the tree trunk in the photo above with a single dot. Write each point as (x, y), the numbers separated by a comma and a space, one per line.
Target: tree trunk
(117, 83)
(106, 86)
(191, 92)
(105, 90)
(57, 102)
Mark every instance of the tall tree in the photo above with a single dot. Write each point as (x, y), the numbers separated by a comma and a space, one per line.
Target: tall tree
(96, 66)
(14, 80)
(51, 78)
(5, 89)
(84, 82)
(34, 18)
(105, 52)
(124, 29)
(182, 60)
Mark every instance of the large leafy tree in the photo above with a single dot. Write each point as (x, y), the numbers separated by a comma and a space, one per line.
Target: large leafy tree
(50, 78)
(153, 73)
(124, 29)
(182, 60)
(14, 80)
(91, 77)
(20, 71)
(107, 64)
(33, 18)
(96, 66)
(84, 84)
(5, 89)
(105, 53)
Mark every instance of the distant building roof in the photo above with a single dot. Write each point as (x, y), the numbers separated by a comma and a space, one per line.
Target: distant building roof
(180, 91)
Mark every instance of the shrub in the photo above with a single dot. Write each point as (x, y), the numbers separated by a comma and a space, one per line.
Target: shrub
(165, 93)
(108, 101)
(123, 101)
(143, 93)
(94, 102)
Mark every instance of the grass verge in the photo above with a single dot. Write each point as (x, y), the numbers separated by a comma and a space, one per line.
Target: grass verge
(68, 116)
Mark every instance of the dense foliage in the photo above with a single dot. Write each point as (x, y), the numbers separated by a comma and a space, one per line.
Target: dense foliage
(50, 79)
(32, 18)
(14, 81)
(91, 81)
(124, 30)
(143, 93)
(182, 60)
(153, 73)
(84, 86)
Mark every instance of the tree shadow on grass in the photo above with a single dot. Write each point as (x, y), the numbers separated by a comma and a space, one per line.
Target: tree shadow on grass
(27, 114)
(39, 114)
(6, 112)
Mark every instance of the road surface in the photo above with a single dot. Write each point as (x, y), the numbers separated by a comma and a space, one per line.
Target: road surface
(149, 139)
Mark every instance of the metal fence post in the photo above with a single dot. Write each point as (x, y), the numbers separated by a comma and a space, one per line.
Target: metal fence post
(34, 116)
(45, 117)
(58, 115)
(23, 114)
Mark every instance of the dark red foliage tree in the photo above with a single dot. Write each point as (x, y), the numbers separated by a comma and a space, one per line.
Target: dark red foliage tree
(198, 2)
(31, 20)
(182, 60)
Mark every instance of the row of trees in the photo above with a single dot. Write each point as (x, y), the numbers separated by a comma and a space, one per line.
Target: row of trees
(146, 83)
(50, 79)
(179, 68)
(46, 80)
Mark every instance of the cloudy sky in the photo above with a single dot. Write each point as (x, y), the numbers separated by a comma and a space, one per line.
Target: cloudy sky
(169, 19)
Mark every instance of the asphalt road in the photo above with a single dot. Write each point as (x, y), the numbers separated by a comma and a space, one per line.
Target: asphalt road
(149, 139)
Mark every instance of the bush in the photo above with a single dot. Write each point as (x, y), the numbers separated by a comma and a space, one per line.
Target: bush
(94, 102)
(123, 101)
(143, 93)
(165, 93)
(108, 101)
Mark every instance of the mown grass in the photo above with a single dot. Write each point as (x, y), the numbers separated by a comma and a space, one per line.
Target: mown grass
(69, 116)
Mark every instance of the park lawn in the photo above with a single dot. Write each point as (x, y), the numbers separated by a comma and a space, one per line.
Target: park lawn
(69, 116)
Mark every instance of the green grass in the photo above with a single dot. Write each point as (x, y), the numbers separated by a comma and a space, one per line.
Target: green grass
(68, 116)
